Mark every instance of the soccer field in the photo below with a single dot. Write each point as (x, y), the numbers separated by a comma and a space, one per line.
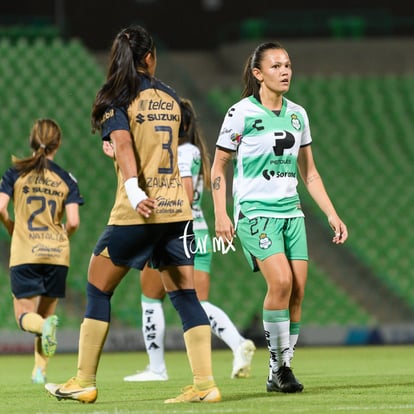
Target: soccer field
(371, 379)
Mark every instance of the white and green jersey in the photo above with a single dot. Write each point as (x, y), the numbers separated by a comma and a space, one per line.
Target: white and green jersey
(189, 164)
(266, 148)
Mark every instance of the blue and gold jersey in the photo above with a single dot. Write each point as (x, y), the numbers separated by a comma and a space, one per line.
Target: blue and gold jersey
(153, 119)
(39, 206)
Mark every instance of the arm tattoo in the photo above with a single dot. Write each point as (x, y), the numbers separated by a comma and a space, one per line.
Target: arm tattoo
(216, 183)
(312, 178)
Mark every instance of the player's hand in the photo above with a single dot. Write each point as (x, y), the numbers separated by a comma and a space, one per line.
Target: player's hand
(340, 230)
(108, 149)
(146, 207)
(224, 228)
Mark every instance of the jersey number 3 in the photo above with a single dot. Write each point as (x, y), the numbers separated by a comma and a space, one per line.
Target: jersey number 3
(166, 146)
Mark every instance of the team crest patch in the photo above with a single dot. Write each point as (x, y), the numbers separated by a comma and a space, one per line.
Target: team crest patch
(264, 241)
(295, 121)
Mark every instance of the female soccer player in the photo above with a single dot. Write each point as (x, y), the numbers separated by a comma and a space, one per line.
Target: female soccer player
(269, 138)
(141, 116)
(42, 193)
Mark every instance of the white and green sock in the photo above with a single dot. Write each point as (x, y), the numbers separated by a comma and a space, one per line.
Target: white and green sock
(153, 331)
(222, 326)
(293, 338)
(276, 326)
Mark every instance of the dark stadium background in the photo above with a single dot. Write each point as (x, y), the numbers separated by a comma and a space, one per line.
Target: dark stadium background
(201, 24)
(353, 68)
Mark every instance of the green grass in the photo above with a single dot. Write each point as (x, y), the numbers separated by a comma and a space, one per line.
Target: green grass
(376, 379)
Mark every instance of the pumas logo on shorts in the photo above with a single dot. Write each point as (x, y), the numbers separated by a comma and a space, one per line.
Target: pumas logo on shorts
(264, 241)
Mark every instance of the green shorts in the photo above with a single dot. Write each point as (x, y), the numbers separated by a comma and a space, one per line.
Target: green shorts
(204, 251)
(263, 237)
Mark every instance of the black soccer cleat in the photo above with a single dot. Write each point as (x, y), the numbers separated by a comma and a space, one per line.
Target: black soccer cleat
(283, 380)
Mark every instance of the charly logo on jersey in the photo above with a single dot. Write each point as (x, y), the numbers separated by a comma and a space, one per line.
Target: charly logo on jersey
(295, 122)
(230, 112)
(264, 241)
(257, 125)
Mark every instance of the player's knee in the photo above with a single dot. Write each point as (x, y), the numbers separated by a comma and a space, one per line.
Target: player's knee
(99, 304)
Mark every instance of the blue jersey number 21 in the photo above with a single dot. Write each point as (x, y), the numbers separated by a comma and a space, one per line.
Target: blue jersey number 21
(40, 210)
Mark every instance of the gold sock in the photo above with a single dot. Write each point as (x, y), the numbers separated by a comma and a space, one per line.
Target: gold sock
(40, 361)
(32, 322)
(92, 338)
(198, 345)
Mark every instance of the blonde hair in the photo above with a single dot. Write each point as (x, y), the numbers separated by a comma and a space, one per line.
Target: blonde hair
(45, 138)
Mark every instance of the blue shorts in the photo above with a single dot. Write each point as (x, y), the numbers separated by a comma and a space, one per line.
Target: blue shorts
(164, 244)
(29, 280)
(263, 237)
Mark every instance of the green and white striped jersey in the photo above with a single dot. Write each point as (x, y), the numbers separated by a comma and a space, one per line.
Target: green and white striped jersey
(266, 147)
(189, 164)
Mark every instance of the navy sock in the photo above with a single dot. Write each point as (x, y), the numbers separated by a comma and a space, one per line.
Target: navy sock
(189, 308)
(20, 321)
(99, 304)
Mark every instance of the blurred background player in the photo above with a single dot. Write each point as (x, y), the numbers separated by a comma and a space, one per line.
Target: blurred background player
(42, 194)
(194, 166)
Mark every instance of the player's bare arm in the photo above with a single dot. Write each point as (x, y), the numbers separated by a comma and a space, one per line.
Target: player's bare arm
(223, 225)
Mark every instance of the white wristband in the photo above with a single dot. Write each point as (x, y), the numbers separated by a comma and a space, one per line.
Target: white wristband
(134, 193)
